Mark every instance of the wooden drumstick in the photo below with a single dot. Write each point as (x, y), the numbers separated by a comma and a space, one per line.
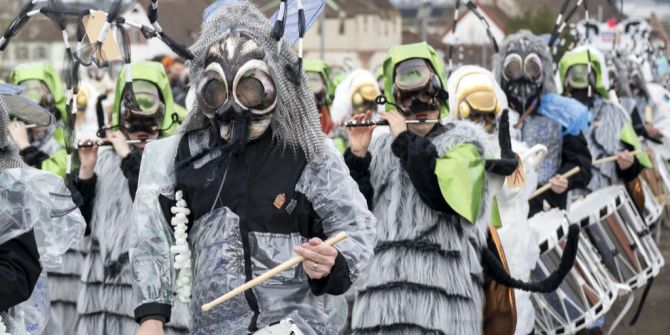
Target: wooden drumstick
(547, 186)
(612, 158)
(273, 272)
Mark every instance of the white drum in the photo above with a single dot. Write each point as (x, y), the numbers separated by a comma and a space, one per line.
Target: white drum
(586, 294)
(613, 226)
(283, 327)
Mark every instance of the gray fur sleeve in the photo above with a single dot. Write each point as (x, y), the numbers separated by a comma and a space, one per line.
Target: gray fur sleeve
(150, 256)
(335, 197)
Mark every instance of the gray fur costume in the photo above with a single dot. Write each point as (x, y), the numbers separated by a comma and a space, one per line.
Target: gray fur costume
(105, 303)
(428, 278)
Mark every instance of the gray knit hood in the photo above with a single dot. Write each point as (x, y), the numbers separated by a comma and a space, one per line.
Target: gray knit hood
(295, 125)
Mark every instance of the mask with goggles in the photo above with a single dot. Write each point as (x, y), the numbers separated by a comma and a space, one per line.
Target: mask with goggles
(522, 77)
(37, 91)
(417, 88)
(238, 92)
(317, 85)
(149, 116)
(577, 83)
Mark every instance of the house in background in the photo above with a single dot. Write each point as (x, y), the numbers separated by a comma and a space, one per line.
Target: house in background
(41, 41)
(356, 33)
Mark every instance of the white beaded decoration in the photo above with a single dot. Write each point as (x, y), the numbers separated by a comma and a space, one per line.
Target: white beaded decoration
(3, 328)
(181, 250)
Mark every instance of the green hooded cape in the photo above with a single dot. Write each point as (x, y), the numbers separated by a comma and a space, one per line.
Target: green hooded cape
(155, 73)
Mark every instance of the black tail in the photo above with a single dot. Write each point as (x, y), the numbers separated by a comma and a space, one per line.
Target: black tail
(494, 269)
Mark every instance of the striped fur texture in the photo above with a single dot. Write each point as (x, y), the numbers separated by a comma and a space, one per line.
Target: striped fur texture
(426, 274)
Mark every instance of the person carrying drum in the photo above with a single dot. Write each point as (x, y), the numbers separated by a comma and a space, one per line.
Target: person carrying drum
(107, 181)
(611, 133)
(430, 186)
(248, 180)
(523, 67)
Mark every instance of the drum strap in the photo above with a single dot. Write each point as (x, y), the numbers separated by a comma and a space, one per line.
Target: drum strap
(497, 272)
(642, 301)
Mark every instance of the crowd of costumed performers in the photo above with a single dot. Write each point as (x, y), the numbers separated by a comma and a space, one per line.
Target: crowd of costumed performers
(238, 187)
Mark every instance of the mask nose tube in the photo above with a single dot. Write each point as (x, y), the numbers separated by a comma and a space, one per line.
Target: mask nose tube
(240, 120)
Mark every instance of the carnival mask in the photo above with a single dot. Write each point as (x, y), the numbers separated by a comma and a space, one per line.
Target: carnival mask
(522, 75)
(237, 91)
(416, 87)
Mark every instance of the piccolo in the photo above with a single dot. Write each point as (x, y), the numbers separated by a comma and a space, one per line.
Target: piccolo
(102, 143)
(369, 123)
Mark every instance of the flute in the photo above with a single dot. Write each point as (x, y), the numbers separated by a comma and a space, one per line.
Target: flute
(369, 123)
(100, 143)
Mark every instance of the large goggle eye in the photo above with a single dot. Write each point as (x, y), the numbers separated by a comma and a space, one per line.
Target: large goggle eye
(532, 65)
(254, 88)
(512, 67)
(213, 90)
(577, 76)
(413, 75)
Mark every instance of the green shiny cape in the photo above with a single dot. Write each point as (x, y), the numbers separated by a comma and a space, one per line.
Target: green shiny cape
(629, 137)
(461, 177)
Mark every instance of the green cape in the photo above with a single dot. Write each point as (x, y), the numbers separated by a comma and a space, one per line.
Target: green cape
(461, 177)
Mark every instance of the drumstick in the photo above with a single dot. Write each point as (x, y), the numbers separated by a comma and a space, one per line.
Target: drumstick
(273, 272)
(547, 186)
(611, 158)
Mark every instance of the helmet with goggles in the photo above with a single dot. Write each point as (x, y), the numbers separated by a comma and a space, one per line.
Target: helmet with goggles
(42, 85)
(476, 96)
(412, 79)
(318, 80)
(582, 68)
(157, 109)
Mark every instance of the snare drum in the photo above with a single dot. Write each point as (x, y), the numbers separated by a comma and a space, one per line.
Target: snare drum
(611, 223)
(586, 294)
(283, 327)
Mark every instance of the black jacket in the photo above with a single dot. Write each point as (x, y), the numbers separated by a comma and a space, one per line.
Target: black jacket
(575, 152)
(19, 270)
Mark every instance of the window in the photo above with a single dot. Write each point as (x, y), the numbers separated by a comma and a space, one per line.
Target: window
(40, 53)
(21, 52)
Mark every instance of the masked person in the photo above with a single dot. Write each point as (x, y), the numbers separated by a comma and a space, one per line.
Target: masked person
(107, 180)
(41, 147)
(611, 133)
(318, 77)
(353, 96)
(248, 179)
(38, 223)
(524, 70)
(430, 186)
